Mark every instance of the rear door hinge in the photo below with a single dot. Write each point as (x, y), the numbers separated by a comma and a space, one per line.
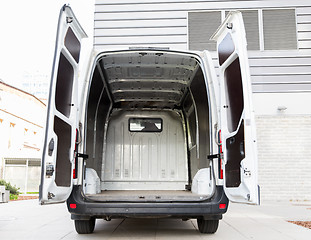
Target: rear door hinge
(247, 172)
(49, 170)
(211, 157)
(50, 195)
(82, 155)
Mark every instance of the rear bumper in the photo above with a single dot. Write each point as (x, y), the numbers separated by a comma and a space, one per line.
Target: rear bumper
(83, 209)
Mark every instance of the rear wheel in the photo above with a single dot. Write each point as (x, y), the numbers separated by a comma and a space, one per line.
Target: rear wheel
(207, 226)
(85, 226)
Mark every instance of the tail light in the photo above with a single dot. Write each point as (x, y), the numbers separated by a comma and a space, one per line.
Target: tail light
(73, 205)
(221, 171)
(74, 173)
(222, 206)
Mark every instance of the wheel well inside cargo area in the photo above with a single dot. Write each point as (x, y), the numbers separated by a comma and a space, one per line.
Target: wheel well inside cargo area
(147, 121)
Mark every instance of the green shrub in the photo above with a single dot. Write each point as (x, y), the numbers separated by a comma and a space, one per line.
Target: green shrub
(8, 186)
(13, 196)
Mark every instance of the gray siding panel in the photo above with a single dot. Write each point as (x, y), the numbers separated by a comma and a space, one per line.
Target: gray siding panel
(280, 79)
(276, 88)
(136, 40)
(304, 18)
(164, 23)
(175, 6)
(120, 24)
(285, 72)
(132, 16)
(279, 71)
(179, 22)
(149, 31)
(304, 27)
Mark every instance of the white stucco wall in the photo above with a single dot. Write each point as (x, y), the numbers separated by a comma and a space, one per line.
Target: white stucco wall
(22, 121)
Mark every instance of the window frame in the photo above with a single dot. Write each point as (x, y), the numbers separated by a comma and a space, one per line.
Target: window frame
(145, 118)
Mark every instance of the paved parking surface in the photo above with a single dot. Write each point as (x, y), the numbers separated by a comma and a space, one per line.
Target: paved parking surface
(28, 220)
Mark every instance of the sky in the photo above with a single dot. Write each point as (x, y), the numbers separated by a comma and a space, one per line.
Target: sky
(28, 32)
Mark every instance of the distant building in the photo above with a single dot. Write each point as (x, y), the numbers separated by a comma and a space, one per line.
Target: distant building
(22, 117)
(36, 84)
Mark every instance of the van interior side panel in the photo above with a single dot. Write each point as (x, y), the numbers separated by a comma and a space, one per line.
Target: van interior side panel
(196, 110)
(199, 93)
(97, 113)
(191, 120)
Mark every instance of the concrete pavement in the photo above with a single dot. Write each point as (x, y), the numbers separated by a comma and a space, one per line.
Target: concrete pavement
(28, 220)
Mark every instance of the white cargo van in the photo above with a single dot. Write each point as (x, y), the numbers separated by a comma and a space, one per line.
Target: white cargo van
(154, 133)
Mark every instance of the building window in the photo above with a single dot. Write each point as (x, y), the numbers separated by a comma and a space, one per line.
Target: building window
(279, 29)
(201, 26)
(251, 24)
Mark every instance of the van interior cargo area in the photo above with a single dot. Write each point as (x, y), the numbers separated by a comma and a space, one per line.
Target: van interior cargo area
(147, 131)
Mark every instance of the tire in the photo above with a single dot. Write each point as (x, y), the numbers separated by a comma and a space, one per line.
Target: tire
(85, 226)
(207, 226)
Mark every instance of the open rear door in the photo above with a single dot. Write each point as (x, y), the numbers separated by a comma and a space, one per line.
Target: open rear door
(236, 113)
(59, 142)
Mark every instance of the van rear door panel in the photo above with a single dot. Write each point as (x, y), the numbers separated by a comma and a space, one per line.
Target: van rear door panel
(62, 109)
(236, 114)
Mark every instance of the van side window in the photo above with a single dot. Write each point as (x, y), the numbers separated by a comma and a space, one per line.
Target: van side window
(64, 84)
(73, 44)
(234, 90)
(225, 49)
(63, 163)
(233, 83)
(145, 124)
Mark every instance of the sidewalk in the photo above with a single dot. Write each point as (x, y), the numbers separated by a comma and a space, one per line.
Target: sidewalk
(268, 221)
(28, 220)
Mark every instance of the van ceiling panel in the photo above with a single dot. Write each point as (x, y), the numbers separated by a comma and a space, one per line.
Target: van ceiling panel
(148, 78)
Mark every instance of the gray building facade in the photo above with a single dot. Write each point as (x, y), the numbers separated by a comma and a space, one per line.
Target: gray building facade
(279, 47)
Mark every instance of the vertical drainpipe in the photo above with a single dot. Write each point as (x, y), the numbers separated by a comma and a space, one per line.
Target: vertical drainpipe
(26, 180)
(3, 169)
